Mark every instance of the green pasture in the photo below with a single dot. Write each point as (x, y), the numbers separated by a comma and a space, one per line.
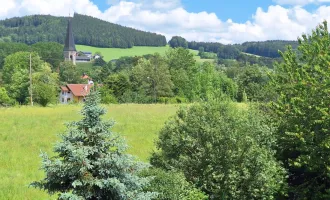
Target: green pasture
(25, 131)
(115, 53)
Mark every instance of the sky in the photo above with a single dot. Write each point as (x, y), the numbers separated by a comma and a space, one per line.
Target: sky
(225, 21)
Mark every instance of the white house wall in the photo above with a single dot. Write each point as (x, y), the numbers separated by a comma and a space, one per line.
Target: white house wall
(65, 97)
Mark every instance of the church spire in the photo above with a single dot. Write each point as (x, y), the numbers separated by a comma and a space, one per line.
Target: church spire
(69, 44)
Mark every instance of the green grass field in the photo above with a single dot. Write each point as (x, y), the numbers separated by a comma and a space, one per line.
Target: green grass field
(27, 130)
(198, 58)
(115, 53)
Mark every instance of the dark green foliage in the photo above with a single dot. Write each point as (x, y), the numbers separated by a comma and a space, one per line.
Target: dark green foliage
(245, 59)
(267, 48)
(302, 108)
(183, 69)
(107, 96)
(99, 62)
(117, 84)
(228, 52)
(9, 48)
(45, 86)
(127, 62)
(87, 31)
(106, 71)
(172, 185)
(224, 150)
(50, 52)
(45, 94)
(153, 77)
(16, 74)
(69, 74)
(211, 84)
(253, 81)
(91, 163)
(178, 41)
(207, 46)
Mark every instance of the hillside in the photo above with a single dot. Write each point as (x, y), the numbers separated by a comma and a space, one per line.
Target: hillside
(115, 53)
(87, 31)
(268, 48)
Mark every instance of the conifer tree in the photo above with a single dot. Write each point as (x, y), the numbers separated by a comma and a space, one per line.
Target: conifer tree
(91, 162)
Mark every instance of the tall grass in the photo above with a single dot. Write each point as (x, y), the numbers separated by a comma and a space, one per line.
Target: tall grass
(25, 131)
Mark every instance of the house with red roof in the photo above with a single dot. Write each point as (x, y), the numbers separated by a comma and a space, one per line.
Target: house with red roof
(74, 93)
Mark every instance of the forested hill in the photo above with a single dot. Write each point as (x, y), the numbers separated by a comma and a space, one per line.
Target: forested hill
(268, 48)
(87, 31)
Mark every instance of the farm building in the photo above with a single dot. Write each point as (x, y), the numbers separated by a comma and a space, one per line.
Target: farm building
(74, 93)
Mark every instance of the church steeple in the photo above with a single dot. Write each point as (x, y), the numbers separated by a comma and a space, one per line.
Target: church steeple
(69, 45)
(69, 40)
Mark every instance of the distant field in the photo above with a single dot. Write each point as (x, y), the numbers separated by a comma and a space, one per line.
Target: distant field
(27, 130)
(198, 58)
(249, 54)
(115, 53)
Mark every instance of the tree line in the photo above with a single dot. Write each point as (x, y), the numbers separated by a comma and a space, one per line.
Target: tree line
(87, 31)
(262, 53)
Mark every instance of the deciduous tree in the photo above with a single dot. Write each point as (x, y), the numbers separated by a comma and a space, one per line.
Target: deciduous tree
(224, 150)
(303, 87)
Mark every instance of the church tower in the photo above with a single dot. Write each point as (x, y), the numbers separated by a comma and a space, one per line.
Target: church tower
(69, 50)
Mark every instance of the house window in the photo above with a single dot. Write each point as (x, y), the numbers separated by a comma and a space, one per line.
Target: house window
(63, 92)
(69, 92)
(68, 100)
(62, 100)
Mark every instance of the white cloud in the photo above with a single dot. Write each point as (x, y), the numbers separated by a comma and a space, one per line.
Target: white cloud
(300, 2)
(169, 18)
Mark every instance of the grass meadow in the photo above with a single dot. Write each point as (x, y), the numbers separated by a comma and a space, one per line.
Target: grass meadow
(26, 130)
(115, 53)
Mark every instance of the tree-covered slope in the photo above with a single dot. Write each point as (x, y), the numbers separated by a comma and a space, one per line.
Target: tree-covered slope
(268, 48)
(87, 31)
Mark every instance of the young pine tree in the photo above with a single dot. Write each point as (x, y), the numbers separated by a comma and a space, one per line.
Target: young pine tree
(91, 162)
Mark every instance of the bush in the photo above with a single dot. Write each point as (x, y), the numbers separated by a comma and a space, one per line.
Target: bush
(5, 100)
(107, 97)
(224, 150)
(172, 100)
(172, 185)
(44, 94)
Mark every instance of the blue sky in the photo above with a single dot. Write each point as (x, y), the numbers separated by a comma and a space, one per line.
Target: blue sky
(225, 21)
(237, 10)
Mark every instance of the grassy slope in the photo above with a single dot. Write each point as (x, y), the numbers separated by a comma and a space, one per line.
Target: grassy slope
(198, 58)
(115, 53)
(25, 131)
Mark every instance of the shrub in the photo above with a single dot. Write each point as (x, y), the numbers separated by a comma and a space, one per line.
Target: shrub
(225, 151)
(172, 185)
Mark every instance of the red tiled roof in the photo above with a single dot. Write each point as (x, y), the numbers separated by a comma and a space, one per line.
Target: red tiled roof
(64, 88)
(78, 89)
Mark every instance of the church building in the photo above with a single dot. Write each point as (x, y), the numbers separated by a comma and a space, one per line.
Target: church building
(69, 50)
